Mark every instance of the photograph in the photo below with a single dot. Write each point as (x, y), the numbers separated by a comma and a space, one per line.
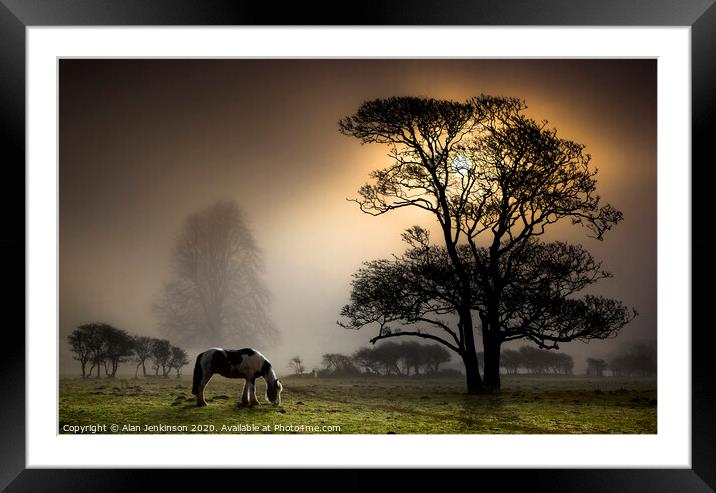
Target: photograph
(357, 246)
(399, 239)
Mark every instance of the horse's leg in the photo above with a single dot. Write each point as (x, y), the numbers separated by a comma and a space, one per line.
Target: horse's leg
(200, 402)
(245, 394)
(252, 393)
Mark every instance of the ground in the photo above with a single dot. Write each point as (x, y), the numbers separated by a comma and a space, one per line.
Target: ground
(377, 405)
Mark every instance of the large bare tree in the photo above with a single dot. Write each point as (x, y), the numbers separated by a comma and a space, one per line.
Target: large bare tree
(216, 295)
(494, 180)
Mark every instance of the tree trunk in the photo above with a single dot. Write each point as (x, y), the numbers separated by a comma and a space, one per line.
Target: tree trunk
(472, 368)
(144, 369)
(492, 362)
(84, 364)
(472, 373)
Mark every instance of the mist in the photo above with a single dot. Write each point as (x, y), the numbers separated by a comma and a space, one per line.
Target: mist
(144, 144)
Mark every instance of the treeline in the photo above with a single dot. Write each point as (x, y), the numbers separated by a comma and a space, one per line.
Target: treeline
(389, 358)
(637, 360)
(101, 346)
(536, 361)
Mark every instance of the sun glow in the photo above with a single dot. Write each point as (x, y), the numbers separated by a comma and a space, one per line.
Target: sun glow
(462, 164)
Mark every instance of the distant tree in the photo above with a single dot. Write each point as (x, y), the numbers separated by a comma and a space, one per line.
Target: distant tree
(636, 360)
(387, 358)
(80, 341)
(365, 358)
(562, 363)
(596, 367)
(96, 344)
(161, 356)
(119, 346)
(142, 352)
(330, 361)
(338, 364)
(296, 364)
(102, 345)
(435, 356)
(488, 175)
(388, 355)
(645, 358)
(178, 359)
(540, 361)
(413, 356)
(511, 361)
(620, 365)
(105, 346)
(216, 295)
(532, 360)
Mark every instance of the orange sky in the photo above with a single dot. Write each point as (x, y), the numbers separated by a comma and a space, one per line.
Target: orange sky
(143, 143)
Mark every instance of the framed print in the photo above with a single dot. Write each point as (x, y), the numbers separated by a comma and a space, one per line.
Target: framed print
(292, 240)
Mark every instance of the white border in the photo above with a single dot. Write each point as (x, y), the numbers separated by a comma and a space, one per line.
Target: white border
(671, 447)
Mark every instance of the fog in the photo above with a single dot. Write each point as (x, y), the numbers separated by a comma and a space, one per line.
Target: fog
(145, 143)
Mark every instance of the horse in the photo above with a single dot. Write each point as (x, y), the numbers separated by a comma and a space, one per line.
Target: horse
(246, 363)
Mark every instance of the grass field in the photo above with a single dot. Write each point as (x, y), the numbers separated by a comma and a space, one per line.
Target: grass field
(525, 405)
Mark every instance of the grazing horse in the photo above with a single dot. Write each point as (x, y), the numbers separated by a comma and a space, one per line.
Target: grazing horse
(244, 363)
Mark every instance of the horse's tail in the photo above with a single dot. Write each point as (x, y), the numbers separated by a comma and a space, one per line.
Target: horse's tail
(198, 375)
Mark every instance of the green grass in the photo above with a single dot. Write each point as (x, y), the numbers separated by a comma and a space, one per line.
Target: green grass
(525, 405)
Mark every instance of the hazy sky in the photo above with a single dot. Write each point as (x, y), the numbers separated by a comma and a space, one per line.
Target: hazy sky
(143, 143)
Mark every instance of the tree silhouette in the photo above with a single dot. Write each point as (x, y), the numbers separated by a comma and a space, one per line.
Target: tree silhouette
(388, 355)
(118, 347)
(296, 364)
(489, 176)
(414, 356)
(106, 347)
(637, 359)
(81, 343)
(364, 358)
(178, 359)
(216, 296)
(541, 361)
(102, 345)
(142, 352)
(511, 361)
(337, 364)
(562, 363)
(161, 356)
(97, 347)
(596, 367)
(435, 356)
(386, 358)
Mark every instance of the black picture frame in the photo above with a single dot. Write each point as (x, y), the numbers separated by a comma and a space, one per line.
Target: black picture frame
(16, 15)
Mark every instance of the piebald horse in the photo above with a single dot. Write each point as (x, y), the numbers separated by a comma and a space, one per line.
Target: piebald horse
(244, 363)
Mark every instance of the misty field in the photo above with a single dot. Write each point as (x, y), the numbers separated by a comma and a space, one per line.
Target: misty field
(349, 406)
